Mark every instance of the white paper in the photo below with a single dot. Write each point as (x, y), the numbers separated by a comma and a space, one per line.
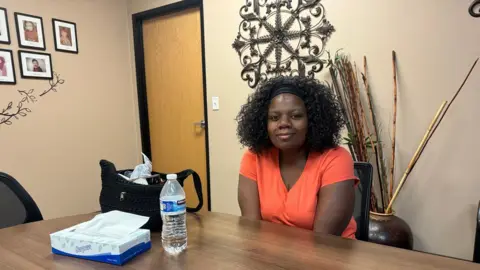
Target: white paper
(114, 224)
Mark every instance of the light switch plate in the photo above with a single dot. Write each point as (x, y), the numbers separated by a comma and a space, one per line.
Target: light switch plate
(215, 103)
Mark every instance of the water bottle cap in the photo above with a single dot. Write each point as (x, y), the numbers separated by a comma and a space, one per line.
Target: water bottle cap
(171, 177)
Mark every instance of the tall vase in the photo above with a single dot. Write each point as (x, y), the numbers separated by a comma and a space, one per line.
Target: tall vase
(389, 230)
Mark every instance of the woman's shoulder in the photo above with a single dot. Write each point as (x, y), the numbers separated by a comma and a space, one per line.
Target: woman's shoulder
(338, 153)
(264, 155)
(335, 165)
(252, 163)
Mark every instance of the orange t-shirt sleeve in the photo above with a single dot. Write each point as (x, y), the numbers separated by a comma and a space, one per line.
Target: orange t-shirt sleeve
(339, 167)
(248, 165)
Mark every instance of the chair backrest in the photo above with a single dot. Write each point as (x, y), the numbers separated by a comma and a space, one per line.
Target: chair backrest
(361, 213)
(476, 249)
(16, 205)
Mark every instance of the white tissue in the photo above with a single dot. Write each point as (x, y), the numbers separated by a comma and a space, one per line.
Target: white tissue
(114, 224)
(142, 171)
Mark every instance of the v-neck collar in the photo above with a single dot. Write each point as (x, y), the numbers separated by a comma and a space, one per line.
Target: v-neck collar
(279, 172)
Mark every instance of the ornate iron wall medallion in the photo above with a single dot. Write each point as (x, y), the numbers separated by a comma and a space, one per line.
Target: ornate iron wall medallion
(474, 9)
(278, 37)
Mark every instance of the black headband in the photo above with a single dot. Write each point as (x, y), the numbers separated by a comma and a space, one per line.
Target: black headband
(287, 89)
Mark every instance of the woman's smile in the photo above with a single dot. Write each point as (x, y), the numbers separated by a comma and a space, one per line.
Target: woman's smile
(285, 136)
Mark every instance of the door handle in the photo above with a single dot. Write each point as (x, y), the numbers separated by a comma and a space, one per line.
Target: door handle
(202, 124)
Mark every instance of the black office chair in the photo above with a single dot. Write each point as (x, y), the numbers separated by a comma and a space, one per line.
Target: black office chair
(476, 249)
(361, 212)
(16, 205)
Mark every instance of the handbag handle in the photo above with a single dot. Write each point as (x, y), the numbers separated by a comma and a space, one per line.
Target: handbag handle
(181, 176)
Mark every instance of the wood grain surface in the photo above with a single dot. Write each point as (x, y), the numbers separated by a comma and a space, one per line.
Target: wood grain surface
(218, 241)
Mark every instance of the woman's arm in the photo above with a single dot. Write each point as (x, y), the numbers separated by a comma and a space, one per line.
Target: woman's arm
(335, 207)
(248, 198)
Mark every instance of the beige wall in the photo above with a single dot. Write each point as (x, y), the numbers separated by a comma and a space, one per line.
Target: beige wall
(55, 150)
(436, 41)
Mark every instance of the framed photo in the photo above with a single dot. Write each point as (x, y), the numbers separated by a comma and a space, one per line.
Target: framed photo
(65, 33)
(7, 68)
(30, 31)
(4, 30)
(35, 65)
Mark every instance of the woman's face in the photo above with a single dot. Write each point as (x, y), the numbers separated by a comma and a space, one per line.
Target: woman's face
(35, 63)
(287, 122)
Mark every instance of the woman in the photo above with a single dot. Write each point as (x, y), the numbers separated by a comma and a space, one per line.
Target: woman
(294, 172)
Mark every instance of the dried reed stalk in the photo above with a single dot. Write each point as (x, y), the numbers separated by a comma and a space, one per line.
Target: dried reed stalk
(361, 124)
(373, 198)
(340, 97)
(347, 105)
(415, 156)
(377, 151)
(362, 114)
(394, 126)
(356, 115)
(448, 106)
(356, 100)
(336, 89)
(345, 72)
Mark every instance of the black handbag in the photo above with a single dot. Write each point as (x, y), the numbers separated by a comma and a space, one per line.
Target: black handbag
(120, 194)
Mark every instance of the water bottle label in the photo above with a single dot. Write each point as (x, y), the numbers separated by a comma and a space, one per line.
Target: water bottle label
(173, 207)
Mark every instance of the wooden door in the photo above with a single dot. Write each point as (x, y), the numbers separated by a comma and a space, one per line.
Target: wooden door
(175, 96)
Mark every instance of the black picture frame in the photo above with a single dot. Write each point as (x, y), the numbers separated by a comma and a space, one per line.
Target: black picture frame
(13, 67)
(9, 41)
(56, 41)
(22, 45)
(22, 67)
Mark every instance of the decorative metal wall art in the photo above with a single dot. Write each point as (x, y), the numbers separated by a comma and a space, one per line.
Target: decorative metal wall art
(474, 9)
(279, 37)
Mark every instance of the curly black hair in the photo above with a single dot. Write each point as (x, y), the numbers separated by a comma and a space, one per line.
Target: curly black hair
(325, 118)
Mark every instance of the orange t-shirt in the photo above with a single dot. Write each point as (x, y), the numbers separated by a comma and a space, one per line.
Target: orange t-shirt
(297, 207)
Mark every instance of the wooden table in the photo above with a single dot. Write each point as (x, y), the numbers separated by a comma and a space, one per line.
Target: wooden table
(218, 241)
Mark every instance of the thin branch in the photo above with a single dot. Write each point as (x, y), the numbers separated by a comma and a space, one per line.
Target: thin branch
(448, 107)
(394, 124)
(6, 114)
(376, 150)
(362, 113)
(29, 95)
(373, 198)
(415, 156)
(340, 97)
(53, 84)
(433, 127)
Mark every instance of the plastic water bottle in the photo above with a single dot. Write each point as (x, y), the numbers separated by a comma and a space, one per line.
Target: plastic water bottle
(173, 210)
